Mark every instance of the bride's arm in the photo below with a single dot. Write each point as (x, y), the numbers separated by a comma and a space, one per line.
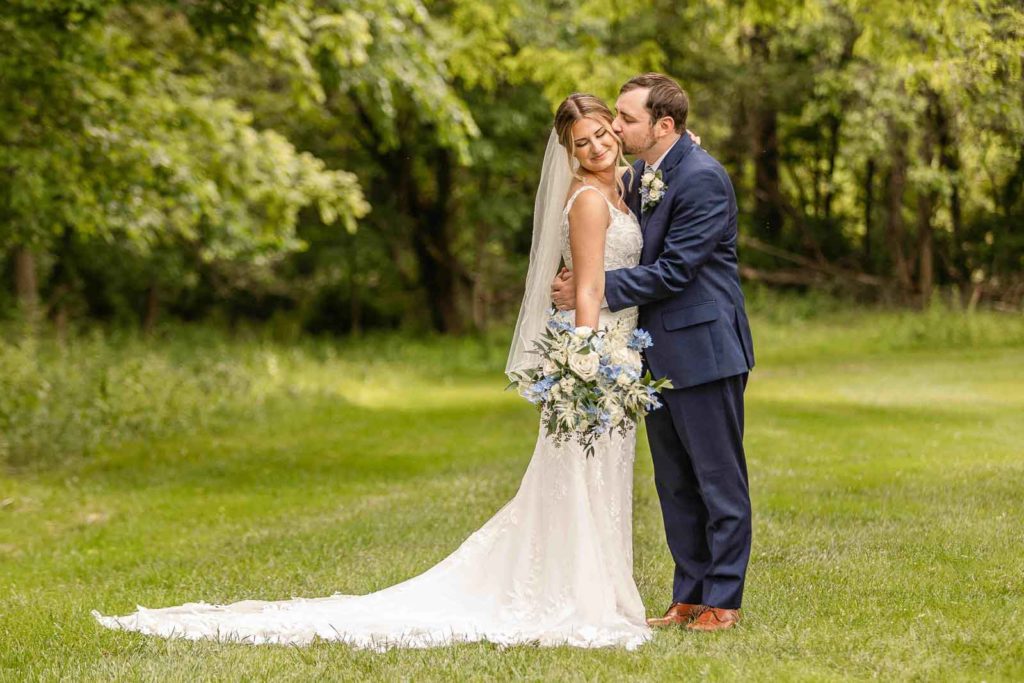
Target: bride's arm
(588, 223)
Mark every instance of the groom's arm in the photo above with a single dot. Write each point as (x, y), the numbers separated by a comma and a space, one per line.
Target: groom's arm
(696, 229)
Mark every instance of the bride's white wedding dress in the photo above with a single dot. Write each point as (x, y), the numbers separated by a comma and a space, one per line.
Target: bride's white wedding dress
(554, 566)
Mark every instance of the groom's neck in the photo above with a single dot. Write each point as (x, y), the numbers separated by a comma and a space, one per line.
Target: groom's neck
(656, 151)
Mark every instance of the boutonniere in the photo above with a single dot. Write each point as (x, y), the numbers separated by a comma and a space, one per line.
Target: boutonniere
(652, 188)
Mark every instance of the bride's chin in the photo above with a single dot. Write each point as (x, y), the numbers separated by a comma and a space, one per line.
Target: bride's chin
(600, 166)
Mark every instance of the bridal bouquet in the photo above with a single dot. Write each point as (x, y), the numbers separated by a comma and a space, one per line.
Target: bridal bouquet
(588, 382)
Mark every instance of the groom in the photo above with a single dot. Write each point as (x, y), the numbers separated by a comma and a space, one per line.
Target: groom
(688, 290)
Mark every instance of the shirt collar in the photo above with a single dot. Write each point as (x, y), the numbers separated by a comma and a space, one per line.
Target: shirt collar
(656, 164)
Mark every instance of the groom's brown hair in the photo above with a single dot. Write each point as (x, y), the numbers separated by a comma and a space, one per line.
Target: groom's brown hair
(665, 98)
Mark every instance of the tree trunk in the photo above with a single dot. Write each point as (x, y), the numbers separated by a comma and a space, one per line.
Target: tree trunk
(480, 295)
(764, 123)
(949, 158)
(927, 198)
(433, 249)
(354, 293)
(869, 205)
(61, 321)
(894, 227)
(152, 309)
(834, 126)
(430, 240)
(1011, 192)
(737, 145)
(767, 211)
(63, 281)
(925, 247)
(427, 220)
(26, 285)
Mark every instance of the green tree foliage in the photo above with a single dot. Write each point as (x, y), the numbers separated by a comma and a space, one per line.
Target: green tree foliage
(114, 135)
(207, 154)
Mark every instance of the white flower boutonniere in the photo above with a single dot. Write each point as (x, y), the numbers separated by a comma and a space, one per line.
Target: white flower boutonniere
(652, 188)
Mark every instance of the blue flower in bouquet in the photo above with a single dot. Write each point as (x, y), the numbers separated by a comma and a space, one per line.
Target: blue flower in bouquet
(652, 398)
(538, 391)
(559, 325)
(597, 375)
(604, 422)
(559, 321)
(610, 371)
(640, 340)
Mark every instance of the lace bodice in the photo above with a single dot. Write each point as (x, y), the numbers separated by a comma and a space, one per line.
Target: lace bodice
(622, 246)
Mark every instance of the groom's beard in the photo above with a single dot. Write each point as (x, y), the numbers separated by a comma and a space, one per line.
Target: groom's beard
(637, 150)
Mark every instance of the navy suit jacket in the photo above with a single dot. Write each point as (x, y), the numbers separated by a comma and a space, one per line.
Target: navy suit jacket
(687, 284)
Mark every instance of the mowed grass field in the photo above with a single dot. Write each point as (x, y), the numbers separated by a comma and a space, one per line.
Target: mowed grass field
(886, 455)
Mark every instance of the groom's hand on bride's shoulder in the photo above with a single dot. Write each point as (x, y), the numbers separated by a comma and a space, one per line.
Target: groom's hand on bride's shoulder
(563, 290)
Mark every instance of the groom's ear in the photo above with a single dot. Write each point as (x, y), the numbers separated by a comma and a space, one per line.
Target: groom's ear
(666, 125)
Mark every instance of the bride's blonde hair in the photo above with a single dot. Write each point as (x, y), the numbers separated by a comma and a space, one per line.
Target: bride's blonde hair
(585, 106)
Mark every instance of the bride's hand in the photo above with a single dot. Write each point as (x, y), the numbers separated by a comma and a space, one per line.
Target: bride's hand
(563, 290)
(693, 136)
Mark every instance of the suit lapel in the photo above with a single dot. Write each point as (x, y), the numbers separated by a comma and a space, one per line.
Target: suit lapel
(679, 150)
(646, 217)
(676, 154)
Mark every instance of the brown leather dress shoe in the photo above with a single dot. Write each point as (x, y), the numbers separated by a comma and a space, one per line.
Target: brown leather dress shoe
(679, 614)
(715, 619)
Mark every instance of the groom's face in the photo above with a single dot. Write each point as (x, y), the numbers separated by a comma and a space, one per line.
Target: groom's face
(633, 122)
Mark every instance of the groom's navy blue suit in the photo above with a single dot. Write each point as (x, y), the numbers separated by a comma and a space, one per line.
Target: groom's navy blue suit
(688, 290)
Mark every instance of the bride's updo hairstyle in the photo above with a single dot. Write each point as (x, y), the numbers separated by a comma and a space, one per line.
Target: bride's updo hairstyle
(584, 106)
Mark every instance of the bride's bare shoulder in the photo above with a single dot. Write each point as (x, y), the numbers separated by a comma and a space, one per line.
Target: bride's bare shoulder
(587, 208)
(573, 188)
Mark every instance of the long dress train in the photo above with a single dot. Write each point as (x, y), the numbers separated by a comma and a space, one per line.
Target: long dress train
(552, 567)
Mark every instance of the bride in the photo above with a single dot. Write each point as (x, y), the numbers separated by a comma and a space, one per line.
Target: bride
(554, 566)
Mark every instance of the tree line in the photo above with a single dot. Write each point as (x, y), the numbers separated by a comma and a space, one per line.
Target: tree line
(339, 165)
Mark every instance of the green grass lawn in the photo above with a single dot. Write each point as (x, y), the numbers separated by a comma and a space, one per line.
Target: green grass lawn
(886, 456)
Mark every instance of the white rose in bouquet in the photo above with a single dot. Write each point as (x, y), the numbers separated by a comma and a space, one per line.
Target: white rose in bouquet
(585, 365)
(627, 357)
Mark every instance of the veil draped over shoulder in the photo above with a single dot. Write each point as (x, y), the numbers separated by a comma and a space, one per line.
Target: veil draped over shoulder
(545, 254)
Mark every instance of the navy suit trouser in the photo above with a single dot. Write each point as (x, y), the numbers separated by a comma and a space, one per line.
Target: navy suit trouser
(700, 472)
